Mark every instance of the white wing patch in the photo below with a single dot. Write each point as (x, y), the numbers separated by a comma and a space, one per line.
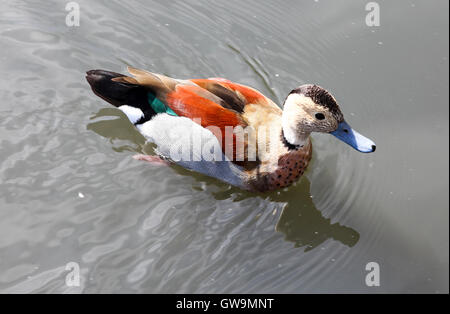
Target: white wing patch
(133, 114)
(191, 146)
(181, 139)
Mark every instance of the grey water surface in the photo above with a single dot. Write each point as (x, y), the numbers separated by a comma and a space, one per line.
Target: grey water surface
(70, 190)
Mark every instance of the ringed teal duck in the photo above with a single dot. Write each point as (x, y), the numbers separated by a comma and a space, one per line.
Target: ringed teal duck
(227, 130)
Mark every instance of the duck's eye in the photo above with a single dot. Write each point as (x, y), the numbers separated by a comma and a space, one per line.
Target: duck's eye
(320, 116)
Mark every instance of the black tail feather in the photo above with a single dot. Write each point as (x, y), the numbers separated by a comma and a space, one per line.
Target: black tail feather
(118, 93)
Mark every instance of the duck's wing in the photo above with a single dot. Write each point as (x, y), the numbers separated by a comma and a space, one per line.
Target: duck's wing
(218, 91)
(235, 96)
(215, 104)
(184, 97)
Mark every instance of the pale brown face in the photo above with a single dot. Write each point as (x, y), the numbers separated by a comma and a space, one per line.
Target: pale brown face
(310, 116)
(307, 109)
(310, 108)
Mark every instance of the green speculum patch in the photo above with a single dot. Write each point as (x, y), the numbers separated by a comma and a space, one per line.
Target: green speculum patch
(158, 106)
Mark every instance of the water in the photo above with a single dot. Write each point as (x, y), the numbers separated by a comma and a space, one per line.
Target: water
(71, 192)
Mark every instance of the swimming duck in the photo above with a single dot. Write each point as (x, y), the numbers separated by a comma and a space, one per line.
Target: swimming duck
(226, 130)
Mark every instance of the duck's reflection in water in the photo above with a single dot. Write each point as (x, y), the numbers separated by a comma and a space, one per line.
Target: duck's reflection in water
(302, 223)
(112, 124)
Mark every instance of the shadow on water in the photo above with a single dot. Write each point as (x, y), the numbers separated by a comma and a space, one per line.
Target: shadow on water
(300, 221)
(116, 129)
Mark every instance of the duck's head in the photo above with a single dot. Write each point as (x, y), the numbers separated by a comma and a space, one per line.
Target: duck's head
(310, 108)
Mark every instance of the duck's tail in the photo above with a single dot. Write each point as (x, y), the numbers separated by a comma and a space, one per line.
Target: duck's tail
(132, 99)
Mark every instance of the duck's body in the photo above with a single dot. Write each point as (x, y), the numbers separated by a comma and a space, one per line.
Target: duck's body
(217, 127)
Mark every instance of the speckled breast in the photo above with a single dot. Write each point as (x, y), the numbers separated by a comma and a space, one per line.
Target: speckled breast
(291, 167)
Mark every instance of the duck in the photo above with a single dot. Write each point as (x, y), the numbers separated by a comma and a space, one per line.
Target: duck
(224, 129)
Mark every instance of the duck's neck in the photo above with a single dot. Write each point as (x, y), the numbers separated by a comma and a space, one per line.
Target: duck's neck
(295, 125)
(294, 137)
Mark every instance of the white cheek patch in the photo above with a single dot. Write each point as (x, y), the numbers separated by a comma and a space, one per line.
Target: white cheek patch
(133, 114)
